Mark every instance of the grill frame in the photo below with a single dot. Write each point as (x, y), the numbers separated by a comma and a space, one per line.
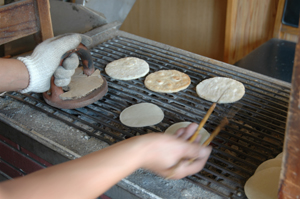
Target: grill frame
(200, 63)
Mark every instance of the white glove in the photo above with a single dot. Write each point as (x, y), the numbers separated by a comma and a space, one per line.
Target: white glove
(46, 58)
(64, 73)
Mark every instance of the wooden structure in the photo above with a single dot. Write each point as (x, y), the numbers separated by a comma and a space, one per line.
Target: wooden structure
(199, 26)
(23, 18)
(251, 23)
(282, 31)
(248, 25)
(195, 25)
(289, 187)
(218, 29)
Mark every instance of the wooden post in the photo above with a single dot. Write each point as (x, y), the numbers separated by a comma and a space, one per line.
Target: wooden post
(282, 31)
(231, 14)
(46, 30)
(289, 185)
(248, 25)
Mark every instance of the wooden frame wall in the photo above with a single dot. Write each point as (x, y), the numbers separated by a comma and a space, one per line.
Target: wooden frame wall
(225, 30)
(195, 25)
(248, 25)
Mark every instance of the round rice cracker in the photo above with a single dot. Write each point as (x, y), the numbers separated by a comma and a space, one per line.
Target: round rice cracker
(127, 68)
(269, 164)
(141, 115)
(167, 81)
(279, 156)
(213, 88)
(263, 184)
(174, 127)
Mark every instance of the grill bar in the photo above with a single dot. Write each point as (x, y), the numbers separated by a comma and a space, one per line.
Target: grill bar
(254, 134)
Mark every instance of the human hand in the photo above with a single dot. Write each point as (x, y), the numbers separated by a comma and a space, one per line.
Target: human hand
(162, 152)
(45, 60)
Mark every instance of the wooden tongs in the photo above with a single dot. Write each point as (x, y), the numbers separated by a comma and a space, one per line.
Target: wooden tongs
(203, 121)
(223, 123)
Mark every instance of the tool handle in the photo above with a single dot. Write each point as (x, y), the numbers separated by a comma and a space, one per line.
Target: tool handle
(203, 121)
(85, 56)
(88, 69)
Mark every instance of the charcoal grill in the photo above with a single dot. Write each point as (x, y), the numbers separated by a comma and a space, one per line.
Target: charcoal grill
(254, 134)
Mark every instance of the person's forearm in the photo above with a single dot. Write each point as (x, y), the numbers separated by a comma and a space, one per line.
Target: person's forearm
(92, 175)
(86, 177)
(14, 75)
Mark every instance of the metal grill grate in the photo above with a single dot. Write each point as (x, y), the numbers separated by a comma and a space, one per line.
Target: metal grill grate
(254, 135)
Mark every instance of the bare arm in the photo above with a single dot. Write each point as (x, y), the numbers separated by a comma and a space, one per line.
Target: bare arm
(14, 75)
(92, 175)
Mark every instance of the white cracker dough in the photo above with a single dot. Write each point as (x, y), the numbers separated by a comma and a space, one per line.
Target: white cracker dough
(141, 115)
(263, 184)
(174, 127)
(167, 81)
(81, 84)
(212, 89)
(279, 156)
(127, 68)
(268, 164)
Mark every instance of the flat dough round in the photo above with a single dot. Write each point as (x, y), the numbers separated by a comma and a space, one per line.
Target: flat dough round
(167, 81)
(268, 164)
(174, 127)
(127, 68)
(263, 184)
(81, 84)
(213, 88)
(279, 156)
(140, 115)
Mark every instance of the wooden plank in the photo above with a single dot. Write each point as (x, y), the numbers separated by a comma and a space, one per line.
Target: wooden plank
(289, 29)
(289, 185)
(17, 20)
(43, 7)
(282, 31)
(278, 24)
(248, 25)
(289, 33)
(230, 29)
(290, 37)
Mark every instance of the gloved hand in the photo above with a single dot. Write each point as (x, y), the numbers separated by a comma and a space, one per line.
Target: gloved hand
(45, 59)
(64, 73)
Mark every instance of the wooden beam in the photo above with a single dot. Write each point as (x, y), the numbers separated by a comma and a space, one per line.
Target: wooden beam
(46, 29)
(289, 185)
(289, 29)
(231, 15)
(17, 20)
(278, 24)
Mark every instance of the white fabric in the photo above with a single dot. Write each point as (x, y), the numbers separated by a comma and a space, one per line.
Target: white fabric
(64, 73)
(46, 58)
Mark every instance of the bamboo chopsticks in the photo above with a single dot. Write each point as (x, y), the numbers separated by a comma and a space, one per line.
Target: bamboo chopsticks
(205, 118)
(201, 124)
(203, 121)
